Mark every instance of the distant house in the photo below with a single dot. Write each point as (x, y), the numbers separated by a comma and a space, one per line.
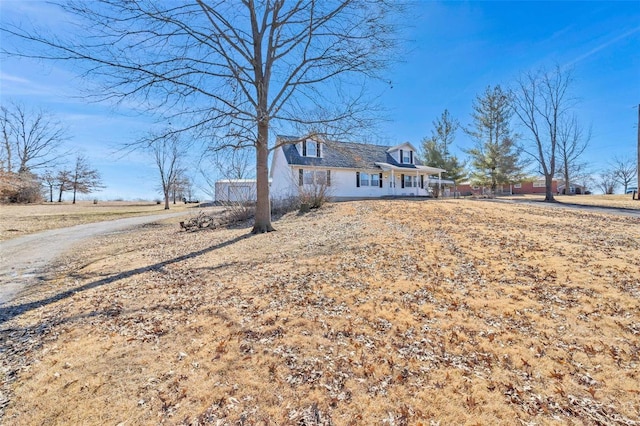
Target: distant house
(349, 170)
(574, 189)
(525, 187)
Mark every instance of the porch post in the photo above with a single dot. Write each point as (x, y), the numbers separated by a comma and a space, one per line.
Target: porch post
(393, 183)
(440, 182)
(417, 188)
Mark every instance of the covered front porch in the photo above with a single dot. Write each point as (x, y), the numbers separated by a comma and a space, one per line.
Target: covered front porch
(408, 181)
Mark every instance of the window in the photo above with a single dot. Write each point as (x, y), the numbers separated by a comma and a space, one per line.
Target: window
(364, 179)
(375, 179)
(311, 149)
(539, 184)
(409, 181)
(308, 177)
(314, 177)
(406, 157)
(517, 186)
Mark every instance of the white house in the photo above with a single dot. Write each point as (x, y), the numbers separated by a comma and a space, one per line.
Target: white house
(349, 170)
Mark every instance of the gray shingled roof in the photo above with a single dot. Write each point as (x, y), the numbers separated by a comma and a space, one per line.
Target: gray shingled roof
(345, 155)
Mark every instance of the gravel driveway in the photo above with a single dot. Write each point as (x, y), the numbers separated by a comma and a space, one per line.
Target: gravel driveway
(22, 259)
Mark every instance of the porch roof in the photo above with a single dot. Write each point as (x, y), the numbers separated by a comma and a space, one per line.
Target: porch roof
(426, 170)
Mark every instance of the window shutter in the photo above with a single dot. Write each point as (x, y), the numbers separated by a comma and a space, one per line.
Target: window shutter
(422, 181)
(318, 145)
(402, 180)
(300, 177)
(357, 179)
(380, 180)
(401, 157)
(411, 157)
(328, 177)
(304, 148)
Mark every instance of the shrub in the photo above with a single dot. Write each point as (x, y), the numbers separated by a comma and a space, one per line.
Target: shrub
(19, 188)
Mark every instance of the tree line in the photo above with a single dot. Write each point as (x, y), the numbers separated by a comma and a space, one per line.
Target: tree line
(234, 74)
(33, 156)
(552, 143)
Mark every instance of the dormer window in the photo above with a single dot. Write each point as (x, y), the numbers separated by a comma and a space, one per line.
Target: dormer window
(406, 156)
(311, 149)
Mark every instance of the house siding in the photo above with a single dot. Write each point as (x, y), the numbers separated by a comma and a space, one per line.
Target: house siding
(284, 180)
(345, 161)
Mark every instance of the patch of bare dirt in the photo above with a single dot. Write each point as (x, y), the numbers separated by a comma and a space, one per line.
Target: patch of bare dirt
(373, 312)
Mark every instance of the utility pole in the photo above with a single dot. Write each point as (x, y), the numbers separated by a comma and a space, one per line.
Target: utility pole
(638, 165)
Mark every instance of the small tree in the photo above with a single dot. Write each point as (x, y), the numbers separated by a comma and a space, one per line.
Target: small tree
(495, 157)
(181, 186)
(167, 151)
(63, 182)
(436, 149)
(623, 171)
(49, 180)
(606, 182)
(83, 179)
(572, 142)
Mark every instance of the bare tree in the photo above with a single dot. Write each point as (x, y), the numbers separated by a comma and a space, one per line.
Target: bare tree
(572, 142)
(31, 139)
(83, 179)
(49, 180)
(180, 186)
(235, 72)
(624, 171)
(63, 179)
(606, 182)
(542, 101)
(167, 153)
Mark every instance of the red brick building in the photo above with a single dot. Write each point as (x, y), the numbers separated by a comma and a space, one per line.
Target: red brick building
(530, 187)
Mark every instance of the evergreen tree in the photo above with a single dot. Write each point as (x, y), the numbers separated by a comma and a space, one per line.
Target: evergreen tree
(435, 149)
(495, 157)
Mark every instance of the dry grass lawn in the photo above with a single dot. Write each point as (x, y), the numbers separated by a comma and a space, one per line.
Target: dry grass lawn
(613, 200)
(23, 219)
(371, 312)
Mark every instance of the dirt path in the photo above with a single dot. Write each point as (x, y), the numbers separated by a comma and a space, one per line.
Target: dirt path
(23, 259)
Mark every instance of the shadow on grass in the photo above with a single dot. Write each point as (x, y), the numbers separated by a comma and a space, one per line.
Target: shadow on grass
(9, 312)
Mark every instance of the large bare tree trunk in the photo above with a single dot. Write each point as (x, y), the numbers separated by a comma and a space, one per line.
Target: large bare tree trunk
(548, 181)
(262, 222)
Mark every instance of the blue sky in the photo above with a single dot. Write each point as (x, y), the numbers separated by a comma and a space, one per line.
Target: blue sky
(456, 50)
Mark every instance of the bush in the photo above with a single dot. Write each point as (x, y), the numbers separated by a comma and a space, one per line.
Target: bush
(19, 188)
(313, 196)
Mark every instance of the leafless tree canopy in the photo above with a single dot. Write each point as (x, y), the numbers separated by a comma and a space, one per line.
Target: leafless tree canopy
(623, 171)
(542, 100)
(573, 140)
(83, 178)
(168, 153)
(235, 72)
(31, 140)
